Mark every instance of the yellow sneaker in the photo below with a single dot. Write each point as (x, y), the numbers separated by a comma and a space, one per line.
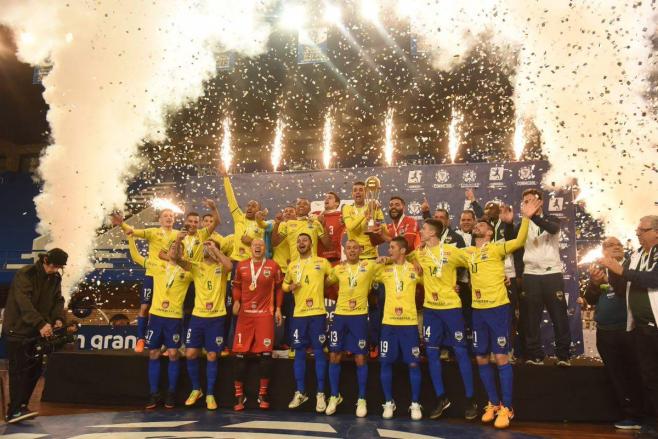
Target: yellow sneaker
(194, 397)
(490, 412)
(291, 354)
(211, 404)
(504, 416)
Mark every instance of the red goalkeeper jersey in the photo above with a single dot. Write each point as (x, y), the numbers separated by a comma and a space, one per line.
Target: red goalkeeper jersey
(267, 294)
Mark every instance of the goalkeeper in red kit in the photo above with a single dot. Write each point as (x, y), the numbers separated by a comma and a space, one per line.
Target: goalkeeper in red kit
(257, 298)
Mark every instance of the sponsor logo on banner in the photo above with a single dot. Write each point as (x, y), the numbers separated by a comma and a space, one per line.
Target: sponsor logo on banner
(414, 209)
(496, 175)
(441, 178)
(527, 176)
(443, 205)
(469, 179)
(555, 204)
(564, 239)
(414, 179)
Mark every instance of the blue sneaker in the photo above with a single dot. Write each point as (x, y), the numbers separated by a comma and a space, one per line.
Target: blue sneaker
(628, 424)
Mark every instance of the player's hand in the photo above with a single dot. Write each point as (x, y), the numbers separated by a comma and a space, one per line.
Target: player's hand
(611, 264)
(46, 330)
(236, 307)
(531, 208)
(418, 268)
(470, 195)
(261, 215)
(278, 318)
(245, 240)
(508, 282)
(506, 214)
(210, 204)
(163, 255)
(425, 206)
(181, 235)
(294, 286)
(456, 288)
(116, 218)
(278, 218)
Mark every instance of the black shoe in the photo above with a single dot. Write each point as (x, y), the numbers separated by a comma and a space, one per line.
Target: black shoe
(471, 411)
(21, 415)
(170, 400)
(443, 404)
(154, 400)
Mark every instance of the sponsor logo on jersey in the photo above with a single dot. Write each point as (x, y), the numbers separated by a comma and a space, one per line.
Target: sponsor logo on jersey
(165, 304)
(435, 297)
(362, 343)
(322, 338)
(309, 302)
(352, 303)
(219, 340)
(209, 306)
(267, 342)
(502, 341)
(415, 351)
(459, 336)
(398, 311)
(267, 272)
(176, 338)
(478, 294)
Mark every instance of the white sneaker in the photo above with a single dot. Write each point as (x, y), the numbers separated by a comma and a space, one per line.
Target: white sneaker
(361, 408)
(416, 412)
(333, 404)
(320, 403)
(389, 408)
(297, 400)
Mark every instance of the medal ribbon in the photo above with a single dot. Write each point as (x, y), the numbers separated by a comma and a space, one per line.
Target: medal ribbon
(254, 277)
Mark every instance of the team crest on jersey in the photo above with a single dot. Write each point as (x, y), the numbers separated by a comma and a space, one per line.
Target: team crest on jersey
(267, 342)
(502, 341)
(209, 306)
(322, 338)
(435, 297)
(412, 276)
(352, 303)
(398, 311)
(165, 304)
(559, 295)
(478, 294)
(175, 338)
(267, 272)
(415, 351)
(459, 336)
(362, 344)
(219, 340)
(254, 305)
(309, 302)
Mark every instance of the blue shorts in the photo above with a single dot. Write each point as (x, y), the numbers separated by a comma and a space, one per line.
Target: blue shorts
(308, 331)
(147, 291)
(163, 331)
(396, 340)
(491, 328)
(349, 333)
(444, 327)
(205, 332)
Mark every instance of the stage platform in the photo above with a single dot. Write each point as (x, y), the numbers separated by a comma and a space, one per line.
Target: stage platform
(541, 393)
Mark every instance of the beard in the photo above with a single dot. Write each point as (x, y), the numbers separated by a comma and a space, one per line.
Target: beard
(394, 213)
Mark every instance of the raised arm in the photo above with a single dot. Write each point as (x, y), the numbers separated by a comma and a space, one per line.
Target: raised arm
(177, 253)
(134, 252)
(230, 198)
(549, 223)
(216, 219)
(218, 256)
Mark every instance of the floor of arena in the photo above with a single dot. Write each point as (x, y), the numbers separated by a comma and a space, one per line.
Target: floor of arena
(130, 421)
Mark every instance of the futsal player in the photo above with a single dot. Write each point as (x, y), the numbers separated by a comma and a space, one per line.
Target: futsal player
(443, 320)
(206, 326)
(159, 241)
(303, 223)
(305, 279)
(349, 329)
(399, 337)
(257, 302)
(170, 283)
(492, 311)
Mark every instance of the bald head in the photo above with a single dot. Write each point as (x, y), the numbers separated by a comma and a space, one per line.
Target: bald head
(257, 249)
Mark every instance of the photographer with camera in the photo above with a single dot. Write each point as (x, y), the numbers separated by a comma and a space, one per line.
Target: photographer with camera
(34, 309)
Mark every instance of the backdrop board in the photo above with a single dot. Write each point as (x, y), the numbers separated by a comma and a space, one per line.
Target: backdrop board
(443, 185)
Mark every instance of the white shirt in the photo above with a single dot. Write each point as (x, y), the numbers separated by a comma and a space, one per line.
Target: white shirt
(542, 252)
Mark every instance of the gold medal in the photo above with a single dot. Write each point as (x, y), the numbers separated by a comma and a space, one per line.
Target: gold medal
(252, 287)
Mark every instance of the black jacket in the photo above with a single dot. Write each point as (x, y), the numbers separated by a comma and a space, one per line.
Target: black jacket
(35, 298)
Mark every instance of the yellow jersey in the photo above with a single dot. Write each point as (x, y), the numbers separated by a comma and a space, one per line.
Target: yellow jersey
(354, 284)
(241, 225)
(356, 226)
(193, 245)
(439, 264)
(310, 274)
(281, 255)
(291, 229)
(487, 268)
(400, 285)
(158, 239)
(209, 289)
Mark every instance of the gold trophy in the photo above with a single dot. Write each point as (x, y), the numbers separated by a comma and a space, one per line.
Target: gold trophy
(372, 190)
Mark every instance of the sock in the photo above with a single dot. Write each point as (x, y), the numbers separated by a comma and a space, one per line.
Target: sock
(193, 372)
(414, 379)
(320, 368)
(264, 383)
(386, 377)
(464, 362)
(211, 377)
(506, 383)
(239, 390)
(141, 327)
(362, 378)
(239, 367)
(434, 365)
(154, 374)
(334, 378)
(265, 366)
(172, 374)
(299, 367)
(487, 377)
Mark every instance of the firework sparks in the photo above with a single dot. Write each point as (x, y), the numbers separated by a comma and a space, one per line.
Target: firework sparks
(591, 256)
(388, 143)
(163, 203)
(453, 134)
(226, 151)
(326, 150)
(277, 148)
(519, 138)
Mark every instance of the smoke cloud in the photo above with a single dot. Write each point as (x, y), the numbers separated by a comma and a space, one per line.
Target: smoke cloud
(119, 67)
